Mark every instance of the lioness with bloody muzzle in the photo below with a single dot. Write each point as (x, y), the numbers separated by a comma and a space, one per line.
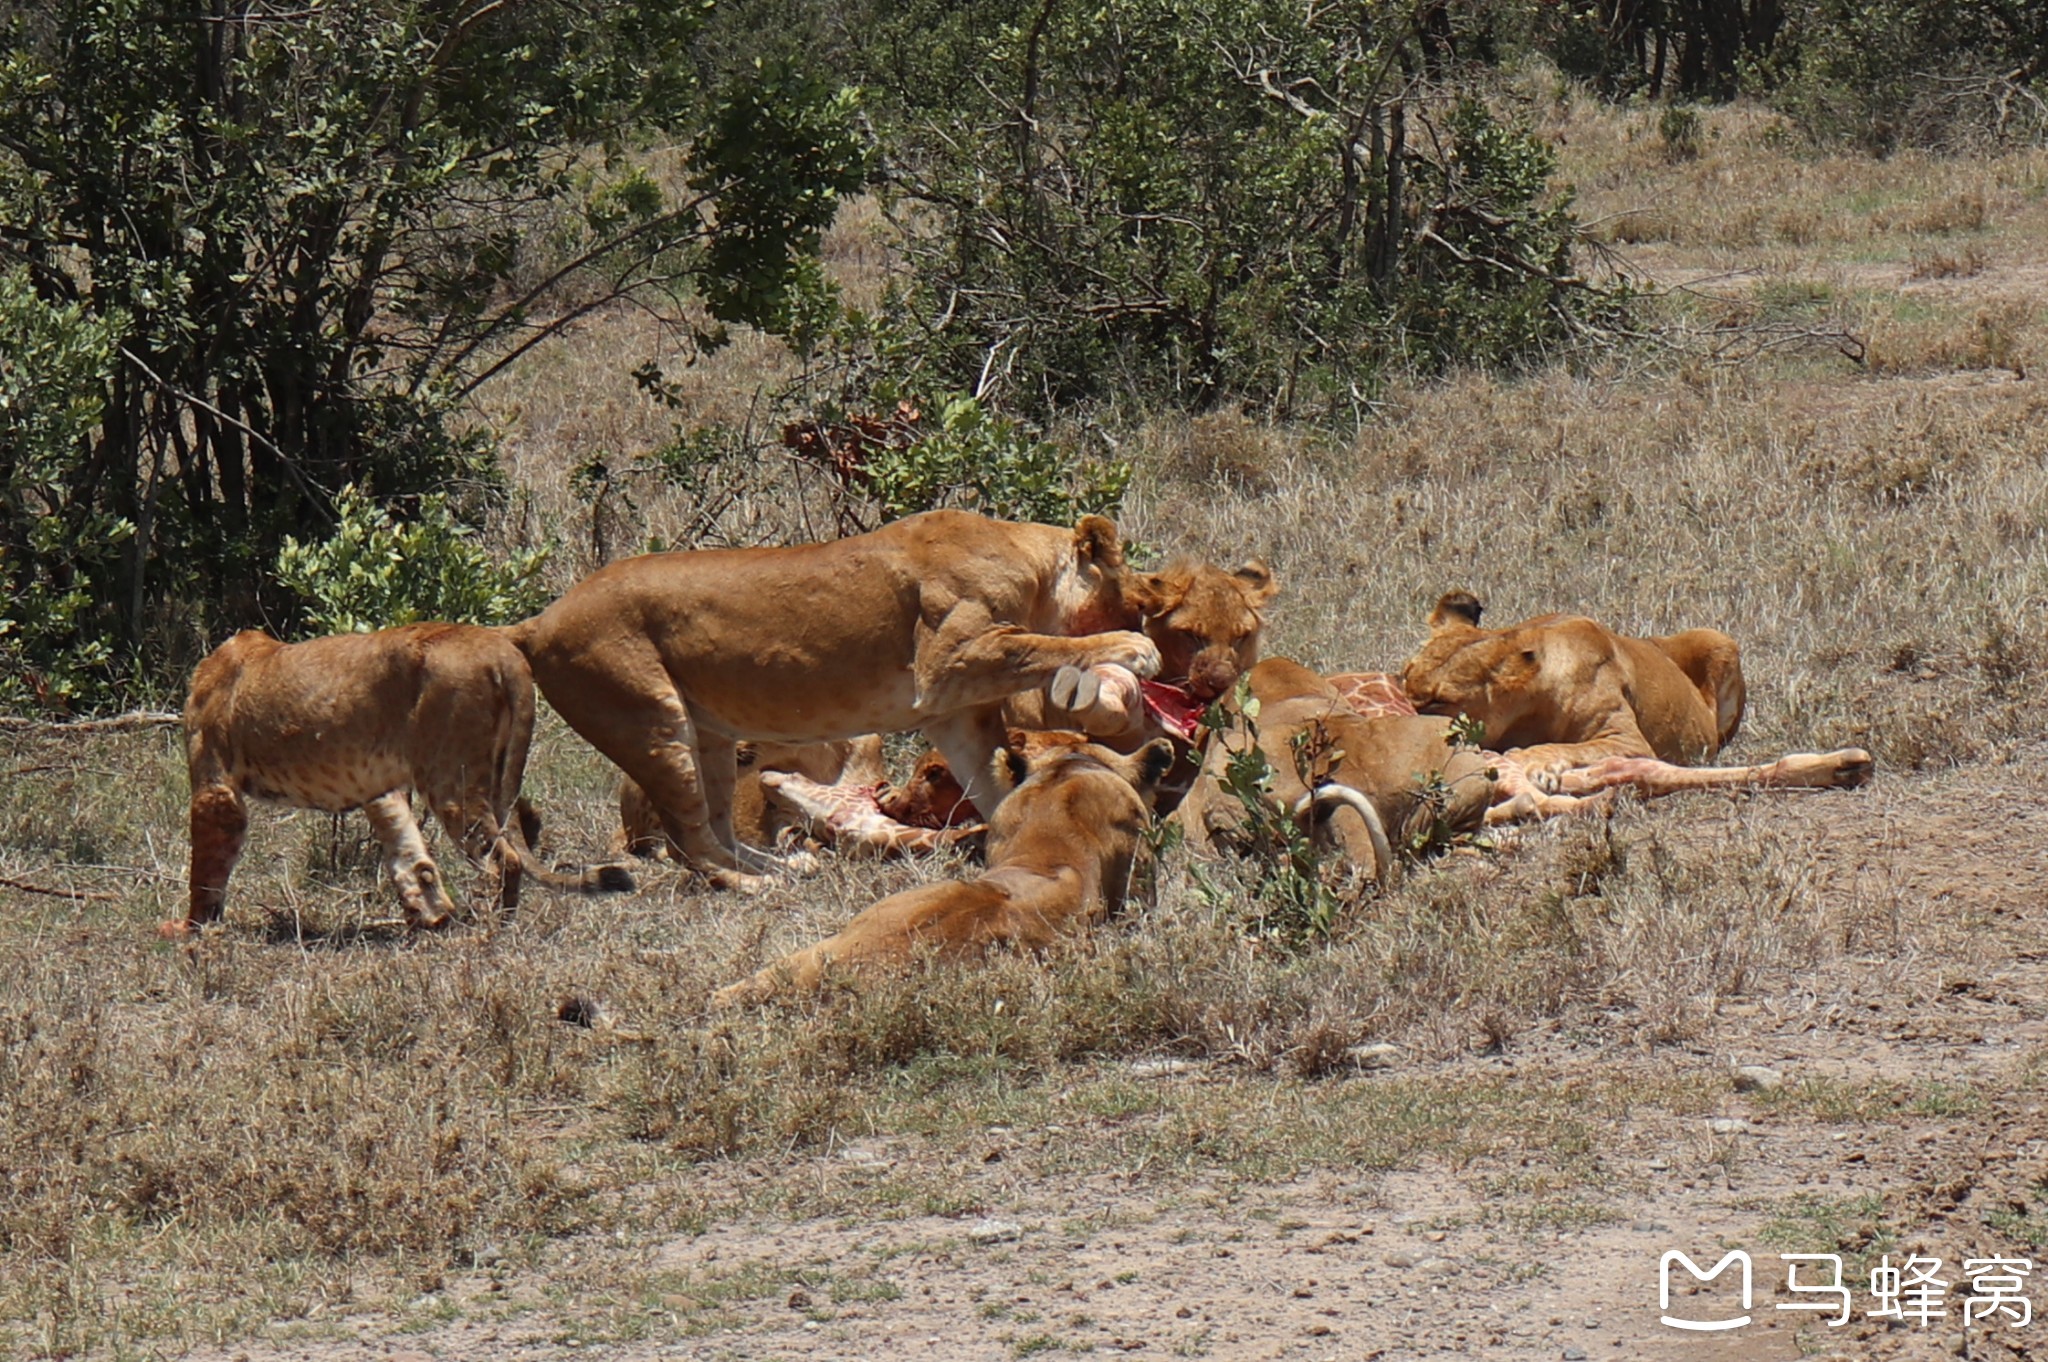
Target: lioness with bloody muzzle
(666, 661)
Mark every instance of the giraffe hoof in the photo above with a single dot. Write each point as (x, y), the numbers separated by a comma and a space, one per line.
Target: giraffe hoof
(1074, 688)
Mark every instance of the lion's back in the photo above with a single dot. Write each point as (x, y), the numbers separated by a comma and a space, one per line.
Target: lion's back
(333, 722)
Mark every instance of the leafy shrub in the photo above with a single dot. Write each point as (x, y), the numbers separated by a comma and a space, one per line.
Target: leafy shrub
(377, 571)
(59, 552)
(309, 231)
(1678, 128)
(1880, 74)
(970, 457)
(1487, 278)
(1178, 221)
(1292, 899)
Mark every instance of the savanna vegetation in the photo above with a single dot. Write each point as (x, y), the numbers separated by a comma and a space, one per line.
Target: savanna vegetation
(1674, 313)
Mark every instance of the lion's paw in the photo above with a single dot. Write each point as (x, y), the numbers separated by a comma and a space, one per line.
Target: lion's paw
(1131, 651)
(1545, 775)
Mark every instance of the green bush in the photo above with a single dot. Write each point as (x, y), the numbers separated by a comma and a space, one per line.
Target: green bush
(307, 233)
(1173, 217)
(1678, 129)
(1880, 74)
(1291, 899)
(57, 549)
(976, 459)
(376, 571)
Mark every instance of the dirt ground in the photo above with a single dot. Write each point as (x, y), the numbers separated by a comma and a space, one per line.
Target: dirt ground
(1432, 1260)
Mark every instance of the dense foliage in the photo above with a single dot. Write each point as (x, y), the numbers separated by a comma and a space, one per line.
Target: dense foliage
(1195, 203)
(376, 570)
(252, 255)
(284, 241)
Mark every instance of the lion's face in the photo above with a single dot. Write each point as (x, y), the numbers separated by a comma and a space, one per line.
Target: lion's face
(1205, 621)
(1464, 669)
(1081, 791)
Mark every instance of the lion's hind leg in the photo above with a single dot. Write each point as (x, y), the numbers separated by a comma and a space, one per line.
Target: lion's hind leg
(418, 879)
(671, 772)
(486, 842)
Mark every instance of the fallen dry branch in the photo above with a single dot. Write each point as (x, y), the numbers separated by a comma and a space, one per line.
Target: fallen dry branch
(93, 895)
(120, 723)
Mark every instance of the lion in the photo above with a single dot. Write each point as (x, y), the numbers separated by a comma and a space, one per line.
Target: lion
(1364, 783)
(1060, 850)
(1591, 789)
(666, 661)
(359, 721)
(1207, 625)
(1356, 735)
(1562, 691)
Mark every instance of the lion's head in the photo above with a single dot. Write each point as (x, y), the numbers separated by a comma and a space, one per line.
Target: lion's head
(1204, 620)
(1464, 669)
(1070, 792)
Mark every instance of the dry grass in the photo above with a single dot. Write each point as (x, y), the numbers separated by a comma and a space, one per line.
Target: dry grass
(304, 1113)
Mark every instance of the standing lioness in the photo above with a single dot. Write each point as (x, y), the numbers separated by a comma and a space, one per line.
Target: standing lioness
(665, 661)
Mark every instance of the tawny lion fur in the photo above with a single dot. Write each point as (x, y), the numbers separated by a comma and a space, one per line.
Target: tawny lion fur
(666, 661)
(1380, 758)
(1564, 691)
(1060, 851)
(1206, 623)
(358, 721)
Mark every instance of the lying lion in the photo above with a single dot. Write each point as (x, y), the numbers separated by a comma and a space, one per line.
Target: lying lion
(359, 721)
(1563, 691)
(1517, 796)
(1366, 783)
(666, 661)
(1415, 774)
(1060, 850)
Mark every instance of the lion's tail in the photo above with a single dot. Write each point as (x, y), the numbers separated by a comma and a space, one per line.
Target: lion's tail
(523, 831)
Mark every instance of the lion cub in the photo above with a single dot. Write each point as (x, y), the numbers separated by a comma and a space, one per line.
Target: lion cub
(1060, 850)
(359, 721)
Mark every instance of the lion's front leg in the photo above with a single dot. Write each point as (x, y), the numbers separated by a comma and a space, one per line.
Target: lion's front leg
(968, 662)
(969, 743)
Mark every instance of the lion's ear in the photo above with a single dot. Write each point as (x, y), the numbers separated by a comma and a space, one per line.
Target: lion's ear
(1456, 607)
(1258, 581)
(1096, 543)
(1153, 761)
(1010, 768)
(1155, 593)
